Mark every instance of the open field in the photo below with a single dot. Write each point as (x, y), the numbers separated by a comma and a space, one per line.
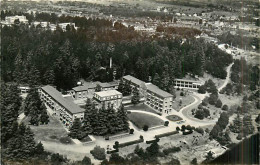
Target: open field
(141, 119)
(186, 100)
(141, 107)
(52, 132)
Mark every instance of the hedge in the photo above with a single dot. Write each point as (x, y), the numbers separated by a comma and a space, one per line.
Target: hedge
(171, 150)
(129, 143)
(151, 141)
(112, 151)
(187, 133)
(166, 134)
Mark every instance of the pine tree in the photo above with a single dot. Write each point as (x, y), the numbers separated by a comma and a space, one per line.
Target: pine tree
(121, 86)
(34, 116)
(153, 149)
(28, 143)
(122, 119)
(34, 77)
(35, 108)
(236, 127)
(111, 118)
(49, 77)
(88, 114)
(39, 149)
(101, 128)
(75, 129)
(156, 79)
(44, 118)
(94, 120)
(135, 98)
(98, 88)
(127, 88)
(10, 103)
(18, 71)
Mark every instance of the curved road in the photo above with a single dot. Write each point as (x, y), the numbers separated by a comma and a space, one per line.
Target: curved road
(184, 112)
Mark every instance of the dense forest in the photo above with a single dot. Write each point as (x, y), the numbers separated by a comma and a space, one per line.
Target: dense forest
(35, 55)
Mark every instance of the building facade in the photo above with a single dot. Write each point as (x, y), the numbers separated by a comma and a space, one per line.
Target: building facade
(87, 89)
(64, 109)
(189, 84)
(109, 97)
(158, 99)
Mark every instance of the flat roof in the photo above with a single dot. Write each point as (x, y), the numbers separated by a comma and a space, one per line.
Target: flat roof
(91, 85)
(133, 79)
(157, 90)
(108, 93)
(187, 80)
(65, 102)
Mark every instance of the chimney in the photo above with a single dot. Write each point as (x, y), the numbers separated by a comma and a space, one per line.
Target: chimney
(110, 62)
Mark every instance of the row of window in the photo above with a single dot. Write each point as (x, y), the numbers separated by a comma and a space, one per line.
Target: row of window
(107, 98)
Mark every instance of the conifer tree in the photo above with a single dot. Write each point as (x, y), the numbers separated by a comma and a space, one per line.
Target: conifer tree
(88, 114)
(94, 120)
(39, 149)
(75, 129)
(28, 143)
(111, 118)
(44, 117)
(122, 119)
(121, 86)
(98, 88)
(136, 97)
(35, 108)
(127, 88)
(101, 128)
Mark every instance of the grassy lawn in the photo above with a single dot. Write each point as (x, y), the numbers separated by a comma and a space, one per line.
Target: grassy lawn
(186, 100)
(141, 119)
(52, 132)
(141, 107)
(174, 118)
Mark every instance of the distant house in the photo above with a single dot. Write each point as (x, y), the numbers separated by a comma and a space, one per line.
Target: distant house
(64, 109)
(24, 89)
(10, 19)
(110, 97)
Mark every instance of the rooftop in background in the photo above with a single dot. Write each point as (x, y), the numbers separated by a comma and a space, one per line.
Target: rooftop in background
(91, 85)
(133, 79)
(157, 90)
(108, 93)
(66, 103)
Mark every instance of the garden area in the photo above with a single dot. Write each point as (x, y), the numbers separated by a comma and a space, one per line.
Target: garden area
(52, 132)
(183, 98)
(174, 118)
(141, 119)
